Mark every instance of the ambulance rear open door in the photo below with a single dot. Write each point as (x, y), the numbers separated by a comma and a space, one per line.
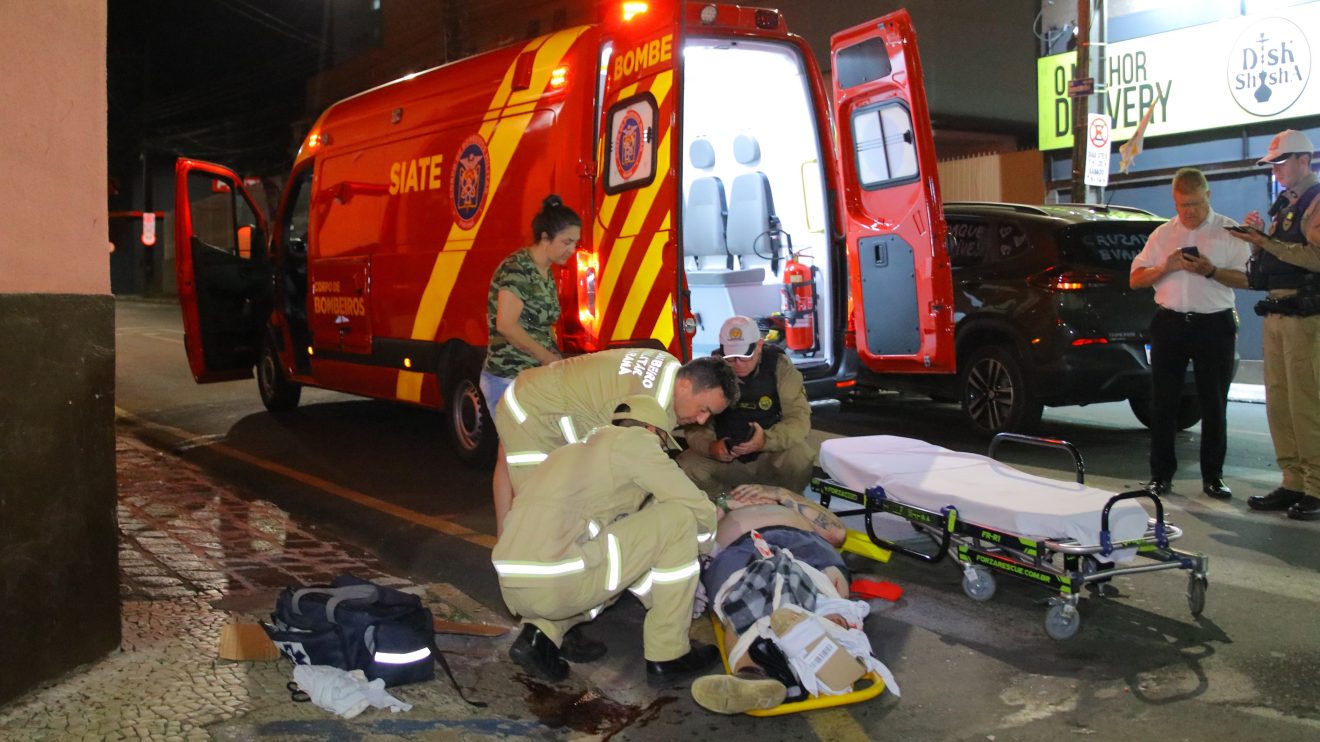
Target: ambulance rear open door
(637, 298)
(224, 274)
(901, 289)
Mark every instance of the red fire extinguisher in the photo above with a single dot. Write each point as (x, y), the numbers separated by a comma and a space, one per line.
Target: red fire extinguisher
(799, 306)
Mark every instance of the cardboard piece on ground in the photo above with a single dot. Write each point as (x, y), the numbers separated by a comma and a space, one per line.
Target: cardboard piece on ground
(246, 641)
(834, 667)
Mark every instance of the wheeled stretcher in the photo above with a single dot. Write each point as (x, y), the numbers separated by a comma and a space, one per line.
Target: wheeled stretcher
(995, 519)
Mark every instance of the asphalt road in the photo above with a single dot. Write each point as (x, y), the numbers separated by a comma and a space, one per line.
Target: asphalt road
(382, 476)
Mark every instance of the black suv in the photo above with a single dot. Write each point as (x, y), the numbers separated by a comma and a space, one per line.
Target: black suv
(1044, 313)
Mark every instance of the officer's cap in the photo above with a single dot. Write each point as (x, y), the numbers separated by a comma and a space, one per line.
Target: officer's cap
(645, 409)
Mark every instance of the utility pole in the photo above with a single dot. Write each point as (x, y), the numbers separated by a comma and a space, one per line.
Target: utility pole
(1090, 64)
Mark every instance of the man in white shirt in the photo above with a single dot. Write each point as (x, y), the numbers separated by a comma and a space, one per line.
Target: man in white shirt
(1194, 264)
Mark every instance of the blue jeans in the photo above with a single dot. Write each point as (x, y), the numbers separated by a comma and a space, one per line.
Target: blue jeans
(493, 388)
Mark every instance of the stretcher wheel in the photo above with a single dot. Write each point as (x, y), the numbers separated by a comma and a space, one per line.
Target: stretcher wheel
(1062, 621)
(1196, 595)
(979, 585)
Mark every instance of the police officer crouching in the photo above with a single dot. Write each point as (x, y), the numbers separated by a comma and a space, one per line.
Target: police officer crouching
(761, 438)
(609, 514)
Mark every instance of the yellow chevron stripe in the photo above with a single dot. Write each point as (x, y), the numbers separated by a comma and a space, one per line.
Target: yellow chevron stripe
(502, 136)
(664, 324)
(642, 201)
(641, 286)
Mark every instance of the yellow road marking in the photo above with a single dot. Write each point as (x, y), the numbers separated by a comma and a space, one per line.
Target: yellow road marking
(435, 523)
(836, 725)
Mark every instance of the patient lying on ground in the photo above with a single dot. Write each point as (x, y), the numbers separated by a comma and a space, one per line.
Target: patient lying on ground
(741, 581)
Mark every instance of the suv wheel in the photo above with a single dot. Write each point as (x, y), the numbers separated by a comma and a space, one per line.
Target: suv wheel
(278, 394)
(994, 392)
(1189, 410)
(470, 427)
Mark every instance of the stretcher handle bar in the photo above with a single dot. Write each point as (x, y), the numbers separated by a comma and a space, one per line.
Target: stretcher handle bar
(1031, 440)
(1072, 548)
(1161, 538)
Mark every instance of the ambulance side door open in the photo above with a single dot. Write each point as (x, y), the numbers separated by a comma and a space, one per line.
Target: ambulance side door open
(223, 270)
(892, 214)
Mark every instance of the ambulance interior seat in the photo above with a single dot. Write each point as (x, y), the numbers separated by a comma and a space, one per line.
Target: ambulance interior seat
(752, 222)
(705, 214)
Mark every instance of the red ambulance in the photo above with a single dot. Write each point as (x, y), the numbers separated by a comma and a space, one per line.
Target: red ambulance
(713, 174)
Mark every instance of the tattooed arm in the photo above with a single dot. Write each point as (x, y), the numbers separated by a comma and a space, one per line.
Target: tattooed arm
(823, 522)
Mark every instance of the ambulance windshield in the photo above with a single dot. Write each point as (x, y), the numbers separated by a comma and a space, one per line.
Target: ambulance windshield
(751, 150)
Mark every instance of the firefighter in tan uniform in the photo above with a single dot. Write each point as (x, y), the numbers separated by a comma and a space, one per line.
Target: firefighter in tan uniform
(551, 406)
(609, 514)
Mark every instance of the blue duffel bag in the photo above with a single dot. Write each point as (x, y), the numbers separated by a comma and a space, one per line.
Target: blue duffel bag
(355, 624)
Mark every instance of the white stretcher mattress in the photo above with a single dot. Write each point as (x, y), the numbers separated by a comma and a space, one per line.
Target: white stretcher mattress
(986, 492)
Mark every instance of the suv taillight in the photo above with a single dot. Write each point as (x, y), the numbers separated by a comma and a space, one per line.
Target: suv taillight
(1056, 279)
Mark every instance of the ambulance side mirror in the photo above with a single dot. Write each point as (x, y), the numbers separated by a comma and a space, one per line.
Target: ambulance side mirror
(245, 235)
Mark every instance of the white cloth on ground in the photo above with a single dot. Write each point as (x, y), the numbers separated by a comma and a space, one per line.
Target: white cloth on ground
(343, 692)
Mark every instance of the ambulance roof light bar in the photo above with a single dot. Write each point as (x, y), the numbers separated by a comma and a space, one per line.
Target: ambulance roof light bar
(633, 9)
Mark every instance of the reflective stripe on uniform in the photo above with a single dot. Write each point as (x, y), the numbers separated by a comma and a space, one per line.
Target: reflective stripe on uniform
(525, 458)
(511, 400)
(593, 529)
(666, 387)
(401, 658)
(612, 577)
(540, 569)
(677, 574)
(642, 586)
(566, 427)
(704, 537)
(591, 614)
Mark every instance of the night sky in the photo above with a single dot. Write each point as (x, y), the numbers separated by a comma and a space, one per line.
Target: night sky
(220, 80)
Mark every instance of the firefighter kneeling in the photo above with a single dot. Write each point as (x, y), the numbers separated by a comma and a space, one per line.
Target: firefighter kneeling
(609, 514)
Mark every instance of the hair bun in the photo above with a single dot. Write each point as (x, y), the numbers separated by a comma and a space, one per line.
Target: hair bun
(552, 201)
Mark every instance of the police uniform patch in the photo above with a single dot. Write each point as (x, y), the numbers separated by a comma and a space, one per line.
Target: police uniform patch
(470, 181)
(764, 402)
(628, 145)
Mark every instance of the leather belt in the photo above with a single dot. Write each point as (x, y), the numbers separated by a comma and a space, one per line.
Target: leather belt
(1194, 316)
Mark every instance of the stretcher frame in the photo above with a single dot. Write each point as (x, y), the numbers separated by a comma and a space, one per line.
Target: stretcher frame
(1060, 565)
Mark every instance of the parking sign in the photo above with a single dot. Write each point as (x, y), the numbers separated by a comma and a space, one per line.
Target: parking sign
(1097, 150)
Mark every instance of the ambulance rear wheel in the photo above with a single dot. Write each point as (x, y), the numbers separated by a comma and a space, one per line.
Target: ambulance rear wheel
(980, 586)
(277, 392)
(470, 428)
(1062, 621)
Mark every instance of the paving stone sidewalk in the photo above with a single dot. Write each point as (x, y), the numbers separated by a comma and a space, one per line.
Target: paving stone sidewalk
(194, 555)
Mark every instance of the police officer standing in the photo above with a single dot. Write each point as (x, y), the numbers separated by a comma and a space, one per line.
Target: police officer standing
(760, 439)
(1287, 265)
(609, 514)
(1194, 264)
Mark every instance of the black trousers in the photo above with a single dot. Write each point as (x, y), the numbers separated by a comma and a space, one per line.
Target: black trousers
(1208, 341)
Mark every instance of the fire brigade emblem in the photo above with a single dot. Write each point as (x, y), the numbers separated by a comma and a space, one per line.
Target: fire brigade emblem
(628, 145)
(471, 180)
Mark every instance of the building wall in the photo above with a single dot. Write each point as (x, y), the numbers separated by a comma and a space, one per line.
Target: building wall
(59, 576)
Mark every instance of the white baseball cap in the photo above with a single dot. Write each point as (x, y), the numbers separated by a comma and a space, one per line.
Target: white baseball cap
(738, 337)
(1285, 143)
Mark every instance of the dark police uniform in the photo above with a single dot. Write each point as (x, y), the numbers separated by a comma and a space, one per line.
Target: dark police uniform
(774, 397)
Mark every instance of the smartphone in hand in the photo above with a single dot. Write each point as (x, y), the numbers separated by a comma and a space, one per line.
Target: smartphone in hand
(1244, 229)
(1190, 251)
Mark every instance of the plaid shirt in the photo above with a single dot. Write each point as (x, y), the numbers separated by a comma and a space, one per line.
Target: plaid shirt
(754, 595)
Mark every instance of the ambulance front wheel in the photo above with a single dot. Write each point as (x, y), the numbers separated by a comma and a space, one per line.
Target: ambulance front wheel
(470, 427)
(277, 392)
